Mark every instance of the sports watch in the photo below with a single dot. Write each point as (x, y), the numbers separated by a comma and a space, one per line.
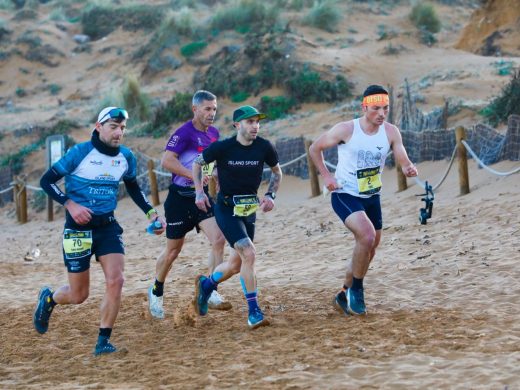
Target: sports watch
(272, 195)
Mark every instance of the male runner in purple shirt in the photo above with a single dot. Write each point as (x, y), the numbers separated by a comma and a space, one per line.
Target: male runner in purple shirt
(182, 215)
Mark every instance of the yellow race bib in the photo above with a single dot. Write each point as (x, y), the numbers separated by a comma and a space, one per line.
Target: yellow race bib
(77, 243)
(207, 169)
(369, 180)
(245, 205)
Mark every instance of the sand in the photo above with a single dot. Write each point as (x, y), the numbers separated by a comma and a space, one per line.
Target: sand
(442, 300)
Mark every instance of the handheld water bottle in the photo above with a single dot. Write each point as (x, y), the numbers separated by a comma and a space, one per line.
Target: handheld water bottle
(326, 191)
(155, 225)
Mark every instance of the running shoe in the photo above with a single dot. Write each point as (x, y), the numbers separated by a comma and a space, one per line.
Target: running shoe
(104, 347)
(201, 298)
(340, 303)
(356, 302)
(216, 302)
(155, 304)
(256, 319)
(43, 310)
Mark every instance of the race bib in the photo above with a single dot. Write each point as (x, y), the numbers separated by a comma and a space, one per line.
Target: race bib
(207, 169)
(369, 180)
(245, 205)
(77, 243)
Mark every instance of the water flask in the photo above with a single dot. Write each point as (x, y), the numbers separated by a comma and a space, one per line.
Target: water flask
(155, 225)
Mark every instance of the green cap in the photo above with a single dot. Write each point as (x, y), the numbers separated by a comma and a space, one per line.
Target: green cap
(245, 112)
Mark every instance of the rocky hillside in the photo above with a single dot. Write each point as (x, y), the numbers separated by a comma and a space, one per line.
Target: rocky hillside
(66, 59)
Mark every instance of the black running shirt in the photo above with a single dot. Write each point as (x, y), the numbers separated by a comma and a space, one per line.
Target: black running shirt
(240, 167)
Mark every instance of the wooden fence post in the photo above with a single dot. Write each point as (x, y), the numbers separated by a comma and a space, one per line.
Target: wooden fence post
(22, 195)
(313, 174)
(445, 115)
(401, 178)
(50, 209)
(16, 191)
(153, 183)
(460, 133)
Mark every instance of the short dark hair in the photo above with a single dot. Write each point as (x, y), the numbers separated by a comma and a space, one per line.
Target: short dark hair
(374, 90)
(202, 95)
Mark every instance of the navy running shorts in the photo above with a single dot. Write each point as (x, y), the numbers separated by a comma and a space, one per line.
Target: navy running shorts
(346, 204)
(181, 212)
(102, 236)
(234, 228)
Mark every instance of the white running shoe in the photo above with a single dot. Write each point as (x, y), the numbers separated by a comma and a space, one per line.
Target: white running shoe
(155, 304)
(216, 302)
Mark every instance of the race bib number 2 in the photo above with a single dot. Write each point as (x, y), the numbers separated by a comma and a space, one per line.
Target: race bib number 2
(369, 180)
(245, 205)
(77, 243)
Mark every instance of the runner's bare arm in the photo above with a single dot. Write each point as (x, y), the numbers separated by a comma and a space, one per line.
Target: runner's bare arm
(201, 200)
(396, 142)
(341, 132)
(267, 203)
(276, 178)
(170, 162)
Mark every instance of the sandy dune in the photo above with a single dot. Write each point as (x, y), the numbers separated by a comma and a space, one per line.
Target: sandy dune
(442, 300)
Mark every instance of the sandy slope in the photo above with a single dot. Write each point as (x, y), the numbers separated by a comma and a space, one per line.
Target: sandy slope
(442, 300)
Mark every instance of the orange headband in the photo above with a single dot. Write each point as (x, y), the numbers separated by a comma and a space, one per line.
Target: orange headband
(380, 99)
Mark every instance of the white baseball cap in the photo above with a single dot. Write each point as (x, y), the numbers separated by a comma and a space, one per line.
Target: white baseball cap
(112, 113)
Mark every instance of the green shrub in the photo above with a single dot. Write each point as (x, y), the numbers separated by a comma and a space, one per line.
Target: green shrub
(298, 5)
(16, 160)
(20, 92)
(58, 15)
(243, 15)
(177, 109)
(504, 68)
(135, 101)
(54, 89)
(424, 17)
(193, 48)
(239, 97)
(184, 24)
(324, 15)
(508, 103)
(6, 5)
(276, 107)
(99, 21)
(308, 86)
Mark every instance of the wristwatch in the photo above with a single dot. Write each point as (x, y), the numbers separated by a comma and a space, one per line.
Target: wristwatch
(272, 195)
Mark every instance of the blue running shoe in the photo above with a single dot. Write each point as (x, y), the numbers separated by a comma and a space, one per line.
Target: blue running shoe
(104, 347)
(201, 299)
(256, 319)
(356, 302)
(43, 310)
(340, 303)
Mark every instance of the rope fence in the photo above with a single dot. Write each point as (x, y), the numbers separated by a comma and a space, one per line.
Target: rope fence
(149, 177)
(6, 190)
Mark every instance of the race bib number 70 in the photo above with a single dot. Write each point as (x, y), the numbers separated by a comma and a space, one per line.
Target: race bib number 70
(77, 243)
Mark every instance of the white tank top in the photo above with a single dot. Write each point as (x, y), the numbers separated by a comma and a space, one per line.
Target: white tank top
(361, 161)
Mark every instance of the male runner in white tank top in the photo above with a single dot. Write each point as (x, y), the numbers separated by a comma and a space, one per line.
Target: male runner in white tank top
(363, 145)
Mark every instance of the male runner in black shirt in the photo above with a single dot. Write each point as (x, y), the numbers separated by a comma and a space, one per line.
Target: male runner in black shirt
(240, 160)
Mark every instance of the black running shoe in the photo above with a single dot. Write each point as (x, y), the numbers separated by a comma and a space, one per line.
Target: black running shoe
(340, 303)
(104, 347)
(43, 310)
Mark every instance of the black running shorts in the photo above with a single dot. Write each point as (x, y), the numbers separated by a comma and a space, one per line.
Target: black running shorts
(182, 214)
(233, 228)
(346, 204)
(101, 237)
